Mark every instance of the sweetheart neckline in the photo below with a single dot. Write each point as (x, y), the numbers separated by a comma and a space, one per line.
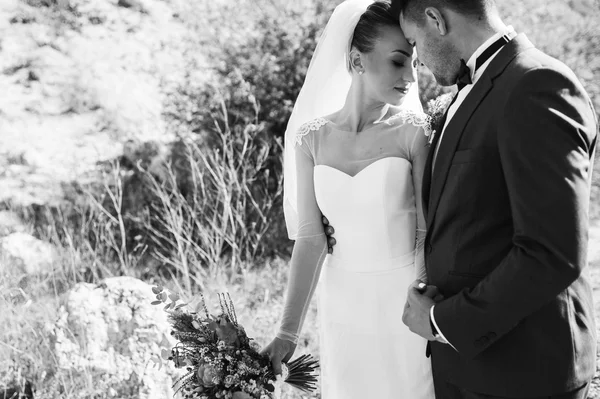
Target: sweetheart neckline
(363, 169)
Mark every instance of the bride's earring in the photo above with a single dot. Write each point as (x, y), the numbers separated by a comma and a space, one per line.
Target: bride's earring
(355, 62)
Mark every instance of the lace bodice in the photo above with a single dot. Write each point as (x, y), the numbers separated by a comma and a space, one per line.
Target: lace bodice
(369, 185)
(404, 116)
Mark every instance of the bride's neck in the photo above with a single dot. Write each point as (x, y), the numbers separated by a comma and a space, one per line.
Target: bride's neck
(360, 111)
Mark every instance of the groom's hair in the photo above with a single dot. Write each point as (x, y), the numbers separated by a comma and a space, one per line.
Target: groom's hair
(415, 9)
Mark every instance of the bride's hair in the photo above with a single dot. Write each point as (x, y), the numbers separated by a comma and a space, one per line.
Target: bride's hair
(367, 30)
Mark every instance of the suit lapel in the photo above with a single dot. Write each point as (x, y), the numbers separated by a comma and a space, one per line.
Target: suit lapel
(452, 136)
(457, 124)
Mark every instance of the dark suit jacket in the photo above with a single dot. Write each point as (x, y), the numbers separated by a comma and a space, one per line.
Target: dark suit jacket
(507, 218)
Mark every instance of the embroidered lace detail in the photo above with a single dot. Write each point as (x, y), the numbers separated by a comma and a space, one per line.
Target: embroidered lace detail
(313, 125)
(418, 119)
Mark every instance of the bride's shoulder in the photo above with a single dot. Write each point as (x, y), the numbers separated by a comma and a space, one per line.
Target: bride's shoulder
(403, 116)
(311, 126)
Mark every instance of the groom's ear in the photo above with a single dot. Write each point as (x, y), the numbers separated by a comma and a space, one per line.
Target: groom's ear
(435, 19)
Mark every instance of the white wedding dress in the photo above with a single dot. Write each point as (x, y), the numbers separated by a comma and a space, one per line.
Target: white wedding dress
(371, 198)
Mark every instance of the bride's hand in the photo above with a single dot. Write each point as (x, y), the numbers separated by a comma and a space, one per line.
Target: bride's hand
(279, 350)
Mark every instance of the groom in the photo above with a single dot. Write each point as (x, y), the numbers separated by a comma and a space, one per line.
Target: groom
(506, 196)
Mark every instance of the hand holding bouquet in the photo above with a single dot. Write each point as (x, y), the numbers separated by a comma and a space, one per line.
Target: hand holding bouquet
(220, 359)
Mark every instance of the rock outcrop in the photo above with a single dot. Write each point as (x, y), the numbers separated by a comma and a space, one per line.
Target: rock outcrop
(32, 256)
(109, 332)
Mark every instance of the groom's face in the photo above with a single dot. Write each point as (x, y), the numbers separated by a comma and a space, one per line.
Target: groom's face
(434, 51)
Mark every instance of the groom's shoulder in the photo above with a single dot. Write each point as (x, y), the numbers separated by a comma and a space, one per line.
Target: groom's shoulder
(532, 69)
(535, 59)
(533, 73)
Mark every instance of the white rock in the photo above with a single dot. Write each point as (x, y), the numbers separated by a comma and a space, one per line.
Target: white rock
(33, 256)
(109, 332)
(10, 223)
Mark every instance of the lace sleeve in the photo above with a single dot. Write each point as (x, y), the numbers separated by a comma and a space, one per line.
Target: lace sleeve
(418, 151)
(310, 247)
(415, 130)
(417, 119)
(418, 156)
(312, 126)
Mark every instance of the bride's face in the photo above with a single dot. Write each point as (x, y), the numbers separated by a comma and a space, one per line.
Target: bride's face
(389, 69)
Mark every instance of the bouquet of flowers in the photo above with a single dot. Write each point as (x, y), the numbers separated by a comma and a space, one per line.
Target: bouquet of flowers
(220, 359)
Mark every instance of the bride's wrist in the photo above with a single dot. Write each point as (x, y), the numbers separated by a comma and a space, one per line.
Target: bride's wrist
(287, 336)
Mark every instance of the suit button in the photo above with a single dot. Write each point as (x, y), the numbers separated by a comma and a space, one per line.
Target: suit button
(492, 335)
(485, 341)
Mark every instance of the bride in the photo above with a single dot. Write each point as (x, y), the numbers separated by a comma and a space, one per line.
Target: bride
(356, 147)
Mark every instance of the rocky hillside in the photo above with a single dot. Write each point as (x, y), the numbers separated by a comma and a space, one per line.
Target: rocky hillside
(83, 82)
(80, 79)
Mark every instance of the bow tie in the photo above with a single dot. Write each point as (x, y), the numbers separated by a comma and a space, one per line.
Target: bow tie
(464, 73)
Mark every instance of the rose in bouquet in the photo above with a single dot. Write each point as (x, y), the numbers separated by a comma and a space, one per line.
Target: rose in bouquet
(221, 361)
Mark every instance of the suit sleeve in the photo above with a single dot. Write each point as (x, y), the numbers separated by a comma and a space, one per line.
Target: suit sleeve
(545, 141)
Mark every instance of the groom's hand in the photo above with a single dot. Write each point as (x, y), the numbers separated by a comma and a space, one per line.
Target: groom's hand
(419, 301)
(329, 230)
(430, 291)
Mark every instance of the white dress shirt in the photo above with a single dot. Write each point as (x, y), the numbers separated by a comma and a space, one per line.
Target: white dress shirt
(475, 75)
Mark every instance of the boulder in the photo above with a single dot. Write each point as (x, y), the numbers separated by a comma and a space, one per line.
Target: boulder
(10, 223)
(23, 251)
(109, 332)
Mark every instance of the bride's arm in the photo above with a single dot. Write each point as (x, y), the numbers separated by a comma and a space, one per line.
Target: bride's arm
(309, 250)
(418, 154)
